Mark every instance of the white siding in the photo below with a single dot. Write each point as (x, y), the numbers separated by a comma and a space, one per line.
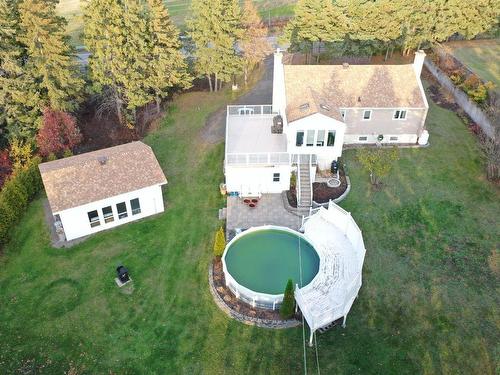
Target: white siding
(254, 180)
(325, 154)
(76, 223)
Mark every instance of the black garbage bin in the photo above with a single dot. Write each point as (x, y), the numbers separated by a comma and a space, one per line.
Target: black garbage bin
(122, 273)
(335, 166)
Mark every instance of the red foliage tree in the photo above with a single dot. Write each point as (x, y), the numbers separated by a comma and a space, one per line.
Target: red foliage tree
(59, 133)
(5, 166)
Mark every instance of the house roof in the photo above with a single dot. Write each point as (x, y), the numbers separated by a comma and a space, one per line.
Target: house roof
(90, 177)
(327, 88)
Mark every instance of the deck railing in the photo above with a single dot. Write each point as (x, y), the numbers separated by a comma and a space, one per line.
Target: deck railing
(249, 110)
(264, 158)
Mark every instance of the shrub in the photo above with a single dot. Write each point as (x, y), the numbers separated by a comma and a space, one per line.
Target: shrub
(219, 243)
(5, 166)
(20, 153)
(18, 190)
(288, 306)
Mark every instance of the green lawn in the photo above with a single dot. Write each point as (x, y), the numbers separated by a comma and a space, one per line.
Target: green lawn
(429, 302)
(481, 58)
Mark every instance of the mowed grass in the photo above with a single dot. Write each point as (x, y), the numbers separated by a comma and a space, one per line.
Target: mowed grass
(482, 58)
(428, 304)
(178, 10)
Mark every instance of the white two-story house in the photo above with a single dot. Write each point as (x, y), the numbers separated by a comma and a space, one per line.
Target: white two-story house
(316, 109)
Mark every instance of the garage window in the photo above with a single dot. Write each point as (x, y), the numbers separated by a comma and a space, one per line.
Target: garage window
(276, 177)
(93, 218)
(107, 213)
(121, 208)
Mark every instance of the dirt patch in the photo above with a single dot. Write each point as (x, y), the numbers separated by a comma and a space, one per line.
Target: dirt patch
(235, 303)
(101, 132)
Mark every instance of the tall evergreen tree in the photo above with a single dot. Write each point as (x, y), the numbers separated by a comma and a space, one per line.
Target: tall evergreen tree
(115, 33)
(50, 57)
(315, 22)
(254, 43)
(37, 66)
(167, 66)
(215, 27)
(19, 99)
(135, 54)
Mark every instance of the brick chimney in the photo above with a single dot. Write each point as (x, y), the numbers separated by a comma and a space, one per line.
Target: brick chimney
(418, 63)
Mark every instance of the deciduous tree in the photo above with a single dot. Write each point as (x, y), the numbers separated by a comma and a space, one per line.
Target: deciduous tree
(377, 161)
(254, 43)
(58, 134)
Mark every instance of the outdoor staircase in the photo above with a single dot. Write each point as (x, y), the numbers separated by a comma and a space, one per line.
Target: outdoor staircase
(304, 183)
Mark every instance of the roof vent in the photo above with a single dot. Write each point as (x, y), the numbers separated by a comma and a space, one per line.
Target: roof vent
(102, 159)
(304, 107)
(345, 65)
(359, 98)
(326, 107)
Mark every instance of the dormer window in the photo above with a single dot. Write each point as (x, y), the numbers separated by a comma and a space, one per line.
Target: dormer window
(342, 113)
(326, 107)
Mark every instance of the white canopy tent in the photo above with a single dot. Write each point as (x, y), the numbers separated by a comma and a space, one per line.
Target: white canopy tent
(339, 243)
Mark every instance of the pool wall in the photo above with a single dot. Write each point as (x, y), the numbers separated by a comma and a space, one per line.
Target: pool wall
(256, 299)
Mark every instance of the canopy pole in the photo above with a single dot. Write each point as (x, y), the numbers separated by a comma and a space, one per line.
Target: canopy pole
(343, 322)
(311, 338)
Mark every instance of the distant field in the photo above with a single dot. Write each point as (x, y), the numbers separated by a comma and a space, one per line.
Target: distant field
(480, 56)
(71, 10)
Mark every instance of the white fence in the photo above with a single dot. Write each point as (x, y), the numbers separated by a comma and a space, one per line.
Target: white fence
(264, 158)
(475, 113)
(248, 110)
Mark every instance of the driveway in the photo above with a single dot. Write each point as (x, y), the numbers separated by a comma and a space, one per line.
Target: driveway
(262, 93)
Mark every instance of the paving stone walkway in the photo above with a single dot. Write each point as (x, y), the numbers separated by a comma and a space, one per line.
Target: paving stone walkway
(269, 211)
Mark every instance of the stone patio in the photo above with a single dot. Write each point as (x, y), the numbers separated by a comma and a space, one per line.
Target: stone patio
(269, 211)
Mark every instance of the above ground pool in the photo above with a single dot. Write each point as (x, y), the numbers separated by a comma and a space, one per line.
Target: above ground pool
(258, 263)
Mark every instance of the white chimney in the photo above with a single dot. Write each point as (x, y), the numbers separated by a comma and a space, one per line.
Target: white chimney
(279, 99)
(418, 63)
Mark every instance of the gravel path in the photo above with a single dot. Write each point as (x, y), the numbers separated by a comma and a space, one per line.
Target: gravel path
(262, 93)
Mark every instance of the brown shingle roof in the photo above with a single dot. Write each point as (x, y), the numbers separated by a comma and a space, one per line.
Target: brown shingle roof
(89, 177)
(363, 86)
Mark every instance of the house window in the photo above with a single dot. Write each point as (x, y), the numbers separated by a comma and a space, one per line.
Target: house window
(330, 142)
(121, 208)
(393, 138)
(342, 113)
(94, 218)
(276, 177)
(310, 138)
(321, 138)
(367, 114)
(107, 213)
(136, 206)
(399, 114)
(300, 139)
(363, 138)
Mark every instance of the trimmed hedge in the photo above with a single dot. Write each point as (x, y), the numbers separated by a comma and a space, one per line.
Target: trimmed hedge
(15, 195)
(220, 242)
